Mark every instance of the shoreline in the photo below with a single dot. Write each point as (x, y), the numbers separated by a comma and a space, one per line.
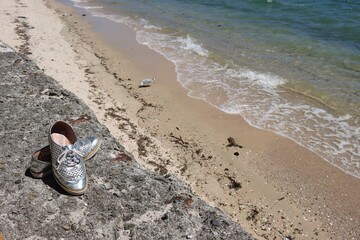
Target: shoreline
(277, 191)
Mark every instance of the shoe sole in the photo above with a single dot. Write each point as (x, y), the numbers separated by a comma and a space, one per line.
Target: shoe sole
(73, 192)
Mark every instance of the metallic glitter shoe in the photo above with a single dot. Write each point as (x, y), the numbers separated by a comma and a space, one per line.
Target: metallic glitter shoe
(40, 165)
(67, 162)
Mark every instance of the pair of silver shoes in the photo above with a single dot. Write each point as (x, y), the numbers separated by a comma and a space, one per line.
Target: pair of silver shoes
(64, 157)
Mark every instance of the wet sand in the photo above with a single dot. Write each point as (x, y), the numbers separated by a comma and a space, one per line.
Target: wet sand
(270, 185)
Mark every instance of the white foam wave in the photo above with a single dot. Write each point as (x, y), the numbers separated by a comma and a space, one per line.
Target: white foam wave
(93, 7)
(83, 4)
(114, 18)
(189, 44)
(79, 1)
(145, 24)
(265, 80)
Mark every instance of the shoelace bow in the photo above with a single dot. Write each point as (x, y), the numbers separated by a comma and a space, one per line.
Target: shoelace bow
(71, 157)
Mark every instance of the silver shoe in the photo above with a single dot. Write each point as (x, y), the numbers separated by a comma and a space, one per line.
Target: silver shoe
(40, 165)
(67, 162)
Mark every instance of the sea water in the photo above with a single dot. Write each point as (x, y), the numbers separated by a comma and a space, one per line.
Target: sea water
(292, 67)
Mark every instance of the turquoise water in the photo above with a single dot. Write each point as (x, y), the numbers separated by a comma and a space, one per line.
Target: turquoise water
(292, 67)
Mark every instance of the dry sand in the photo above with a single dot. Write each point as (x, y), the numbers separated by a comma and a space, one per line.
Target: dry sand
(273, 187)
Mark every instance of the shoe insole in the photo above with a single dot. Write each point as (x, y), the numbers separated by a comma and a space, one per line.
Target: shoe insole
(60, 139)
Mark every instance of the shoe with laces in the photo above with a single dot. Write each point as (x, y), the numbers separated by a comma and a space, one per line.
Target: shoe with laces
(67, 162)
(40, 165)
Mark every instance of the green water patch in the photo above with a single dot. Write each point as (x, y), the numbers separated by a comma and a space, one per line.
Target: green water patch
(316, 94)
(352, 65)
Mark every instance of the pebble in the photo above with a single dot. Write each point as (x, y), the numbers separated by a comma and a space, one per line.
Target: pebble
(120, 225)
(129, 226)
(215, 223)
(50, 210)
(108, 186)
(113, 214)
(128, 217)
(116, 194)
(33, 195)
(66, 227)
(18, 181)
(74, 226)
(55, 195)
(139, 178)
(117, 235)
(82, 221)
(164, 217)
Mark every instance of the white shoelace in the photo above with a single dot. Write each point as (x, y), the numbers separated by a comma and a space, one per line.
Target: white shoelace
(71, 157)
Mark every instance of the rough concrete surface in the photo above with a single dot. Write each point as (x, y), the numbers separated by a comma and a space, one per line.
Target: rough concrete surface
(124, 200)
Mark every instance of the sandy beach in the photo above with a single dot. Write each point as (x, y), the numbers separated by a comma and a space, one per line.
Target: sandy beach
(271, 186)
